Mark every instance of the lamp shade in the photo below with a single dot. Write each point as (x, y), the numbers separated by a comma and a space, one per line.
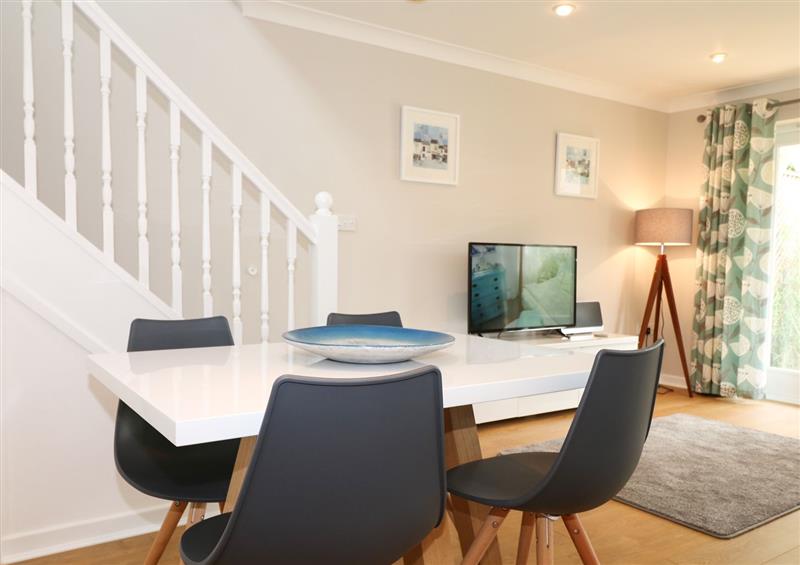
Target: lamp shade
(664, 226)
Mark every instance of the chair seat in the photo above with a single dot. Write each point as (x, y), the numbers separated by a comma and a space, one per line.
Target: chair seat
(504, 481)
(200, 540)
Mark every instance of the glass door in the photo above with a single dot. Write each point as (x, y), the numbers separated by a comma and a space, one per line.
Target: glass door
(783, 374)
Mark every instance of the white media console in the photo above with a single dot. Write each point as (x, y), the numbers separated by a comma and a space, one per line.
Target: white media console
(564, 400)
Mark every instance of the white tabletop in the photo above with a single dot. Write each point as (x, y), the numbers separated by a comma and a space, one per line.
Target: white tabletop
(200, 395)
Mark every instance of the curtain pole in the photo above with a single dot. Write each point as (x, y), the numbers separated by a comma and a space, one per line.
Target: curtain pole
(702, 117)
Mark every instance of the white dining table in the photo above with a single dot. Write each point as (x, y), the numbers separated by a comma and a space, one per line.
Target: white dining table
(201, 395)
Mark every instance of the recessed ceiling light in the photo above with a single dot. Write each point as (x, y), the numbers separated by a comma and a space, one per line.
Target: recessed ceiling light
(718, 57)
(563, 10)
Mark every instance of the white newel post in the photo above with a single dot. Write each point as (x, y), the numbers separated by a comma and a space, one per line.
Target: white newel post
(291, 260)
(324, 260)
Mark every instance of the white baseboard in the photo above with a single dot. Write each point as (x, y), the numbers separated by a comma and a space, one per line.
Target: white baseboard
(74, 535)
(672, 381)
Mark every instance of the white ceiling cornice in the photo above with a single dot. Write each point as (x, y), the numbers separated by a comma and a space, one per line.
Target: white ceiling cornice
(744, 92)
(347, 28)
(310, 19)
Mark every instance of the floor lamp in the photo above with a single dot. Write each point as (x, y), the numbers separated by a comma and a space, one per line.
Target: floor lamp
(664, 227)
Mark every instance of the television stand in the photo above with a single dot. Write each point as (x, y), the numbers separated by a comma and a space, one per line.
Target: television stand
(553, 402)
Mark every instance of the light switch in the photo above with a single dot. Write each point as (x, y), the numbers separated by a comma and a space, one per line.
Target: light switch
(347, 223)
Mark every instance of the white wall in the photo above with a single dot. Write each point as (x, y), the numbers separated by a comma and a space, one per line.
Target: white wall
(59, 483)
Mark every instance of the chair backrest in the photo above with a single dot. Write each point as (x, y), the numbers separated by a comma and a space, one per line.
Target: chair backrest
(344, 471)
(137, 443)
(148, 335)
(607, 435)
(378, 319)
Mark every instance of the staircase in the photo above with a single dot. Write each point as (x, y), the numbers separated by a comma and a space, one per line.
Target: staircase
(317, 233)
(86, 247)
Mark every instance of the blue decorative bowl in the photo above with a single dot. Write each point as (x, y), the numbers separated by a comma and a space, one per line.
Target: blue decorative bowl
(367, 344)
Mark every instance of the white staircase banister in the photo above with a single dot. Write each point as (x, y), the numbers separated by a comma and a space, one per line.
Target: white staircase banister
(163, 83)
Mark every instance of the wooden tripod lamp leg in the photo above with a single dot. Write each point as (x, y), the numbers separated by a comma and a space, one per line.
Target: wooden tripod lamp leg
(655, 289)
(673, 311)
(658, 312)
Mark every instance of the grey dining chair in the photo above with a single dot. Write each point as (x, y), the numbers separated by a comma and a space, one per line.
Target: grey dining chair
(344, 472)
(196, 474)
(378, 319)
(599, 454)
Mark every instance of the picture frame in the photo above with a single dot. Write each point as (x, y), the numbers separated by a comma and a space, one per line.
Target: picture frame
(429, 146)
(577, 165)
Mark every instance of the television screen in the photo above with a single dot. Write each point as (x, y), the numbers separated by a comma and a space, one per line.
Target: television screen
(516, 287)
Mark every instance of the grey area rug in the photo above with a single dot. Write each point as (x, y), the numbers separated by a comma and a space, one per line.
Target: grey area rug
(713, 477)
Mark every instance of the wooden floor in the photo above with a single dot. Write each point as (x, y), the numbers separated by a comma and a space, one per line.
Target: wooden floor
(620, 534)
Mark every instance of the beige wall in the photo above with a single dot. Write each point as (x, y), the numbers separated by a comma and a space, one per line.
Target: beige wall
(684, 176)
(315, 112)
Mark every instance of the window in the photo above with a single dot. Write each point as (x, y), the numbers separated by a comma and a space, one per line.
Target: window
(783, 375)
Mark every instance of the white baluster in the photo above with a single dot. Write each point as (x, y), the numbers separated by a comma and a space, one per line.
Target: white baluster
(70, 193)
(105, 160)
(264, 243)
(175, 212)
(141, 177)
(236, 213)
(291, 258)
(208, 301)
(29, 146)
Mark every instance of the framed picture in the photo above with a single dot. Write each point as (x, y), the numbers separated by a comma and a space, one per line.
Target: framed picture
(428, 146)
(577, 165)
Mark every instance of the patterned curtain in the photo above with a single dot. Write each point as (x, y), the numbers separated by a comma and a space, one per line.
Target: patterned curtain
(729, 355)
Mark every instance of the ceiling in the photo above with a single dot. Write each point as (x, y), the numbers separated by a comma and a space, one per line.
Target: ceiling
(655, 49)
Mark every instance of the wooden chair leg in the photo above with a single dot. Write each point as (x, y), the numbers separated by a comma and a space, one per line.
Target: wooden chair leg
(580, 539)
(486, 536)
(165, 533)
(545, 544)
(197, 511)
(525, 537)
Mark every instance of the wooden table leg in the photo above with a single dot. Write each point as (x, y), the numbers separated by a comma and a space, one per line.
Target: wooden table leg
(247, 446)
(461, 446)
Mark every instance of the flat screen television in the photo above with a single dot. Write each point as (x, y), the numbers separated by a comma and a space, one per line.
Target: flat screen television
(521, 287)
